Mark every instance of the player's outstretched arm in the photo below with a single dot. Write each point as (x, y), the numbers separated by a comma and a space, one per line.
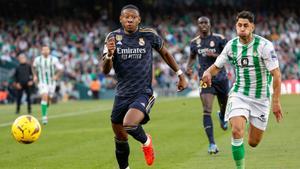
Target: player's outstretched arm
(168, 58)
(107, 58)
(276, 106)
(208, 73)
(191, 62)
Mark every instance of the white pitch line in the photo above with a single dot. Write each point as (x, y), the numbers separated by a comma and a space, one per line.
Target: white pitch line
(81, 112)
(65, 115)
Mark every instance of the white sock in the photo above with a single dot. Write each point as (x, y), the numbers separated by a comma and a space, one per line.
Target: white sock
(236, 142)
(147, 143)
(127, 167)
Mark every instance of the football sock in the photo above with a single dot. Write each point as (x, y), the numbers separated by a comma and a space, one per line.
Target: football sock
(238, 152)
(122, 153)
(44, 108)
(137, 132)
(208, 127)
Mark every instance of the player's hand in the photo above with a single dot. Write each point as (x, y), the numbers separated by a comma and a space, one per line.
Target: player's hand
(206, 79)
(189, 72)
(276, 108)
(111, 46)
(182, 83)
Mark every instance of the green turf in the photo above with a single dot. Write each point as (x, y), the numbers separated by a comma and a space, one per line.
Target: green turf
(79, 136)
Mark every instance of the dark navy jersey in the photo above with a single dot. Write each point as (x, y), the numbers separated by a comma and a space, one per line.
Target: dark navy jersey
(132, 60)
(199, 46)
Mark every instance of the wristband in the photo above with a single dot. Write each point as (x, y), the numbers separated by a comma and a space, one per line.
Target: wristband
(179, 72)
(107, 57)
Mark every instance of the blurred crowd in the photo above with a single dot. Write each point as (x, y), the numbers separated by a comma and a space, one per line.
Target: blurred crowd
(78, 43)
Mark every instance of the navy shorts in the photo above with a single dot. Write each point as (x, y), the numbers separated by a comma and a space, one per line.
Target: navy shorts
(142, 102)
(217, 88)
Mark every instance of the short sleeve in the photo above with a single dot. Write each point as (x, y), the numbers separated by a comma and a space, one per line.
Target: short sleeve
(193, 48)
(223, 57)
(223, 42)
(156, 42)
(269, 56)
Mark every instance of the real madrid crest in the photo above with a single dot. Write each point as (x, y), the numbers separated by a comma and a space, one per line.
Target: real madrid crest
(141, 42)
(212, 44)
(119, 39)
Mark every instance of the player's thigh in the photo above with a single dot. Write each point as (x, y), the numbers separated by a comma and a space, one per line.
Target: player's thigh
(133, 117)
(120, 107)
(207, 100)
(119, 131)
(139, 109)
(43, 89)
(52, 88)
(235, 102)
(259, 114)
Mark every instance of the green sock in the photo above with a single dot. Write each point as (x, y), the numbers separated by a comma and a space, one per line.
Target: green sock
(238, 152)
(44, 108)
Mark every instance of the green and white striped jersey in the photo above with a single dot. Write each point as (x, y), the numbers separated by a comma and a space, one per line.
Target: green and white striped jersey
(253, 63)
(46, 68)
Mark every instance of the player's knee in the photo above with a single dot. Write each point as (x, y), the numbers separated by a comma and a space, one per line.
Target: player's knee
(128, 127)
(237, 132)
(206, 113)
(253, 142)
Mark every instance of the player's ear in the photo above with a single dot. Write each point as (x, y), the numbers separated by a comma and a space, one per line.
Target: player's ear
(253, 26)
(139, 19)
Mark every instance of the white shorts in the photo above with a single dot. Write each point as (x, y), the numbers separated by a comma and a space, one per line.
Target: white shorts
(256, 111)
(47, 89)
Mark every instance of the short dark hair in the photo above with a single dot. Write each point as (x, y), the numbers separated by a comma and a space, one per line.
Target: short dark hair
(245, 15)
(130, 6)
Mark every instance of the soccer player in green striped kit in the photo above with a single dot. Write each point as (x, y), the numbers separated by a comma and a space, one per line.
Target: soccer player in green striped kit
(256, 67)
(46, 70)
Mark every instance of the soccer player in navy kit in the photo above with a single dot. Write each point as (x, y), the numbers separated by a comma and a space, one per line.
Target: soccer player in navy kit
(129, 51)
(207, 46)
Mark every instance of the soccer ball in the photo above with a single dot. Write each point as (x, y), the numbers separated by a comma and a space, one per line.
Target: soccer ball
(26, 129)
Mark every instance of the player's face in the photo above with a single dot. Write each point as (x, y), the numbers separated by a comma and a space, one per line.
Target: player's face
(45, 51)
(130, 19)
(203, 24)
(244, 28)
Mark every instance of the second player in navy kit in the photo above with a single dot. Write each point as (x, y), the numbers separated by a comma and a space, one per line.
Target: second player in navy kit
(206, 47)
(129, 51)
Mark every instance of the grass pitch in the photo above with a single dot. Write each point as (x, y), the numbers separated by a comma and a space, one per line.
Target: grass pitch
(79, 136)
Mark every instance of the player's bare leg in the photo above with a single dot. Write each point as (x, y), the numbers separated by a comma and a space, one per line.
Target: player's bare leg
(132, 125)
(238, 125)
(207, 102)
(44, 102)
(255, 136)
(122, 147)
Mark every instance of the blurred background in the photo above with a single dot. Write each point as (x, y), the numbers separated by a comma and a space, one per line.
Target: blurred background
(75, 31)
